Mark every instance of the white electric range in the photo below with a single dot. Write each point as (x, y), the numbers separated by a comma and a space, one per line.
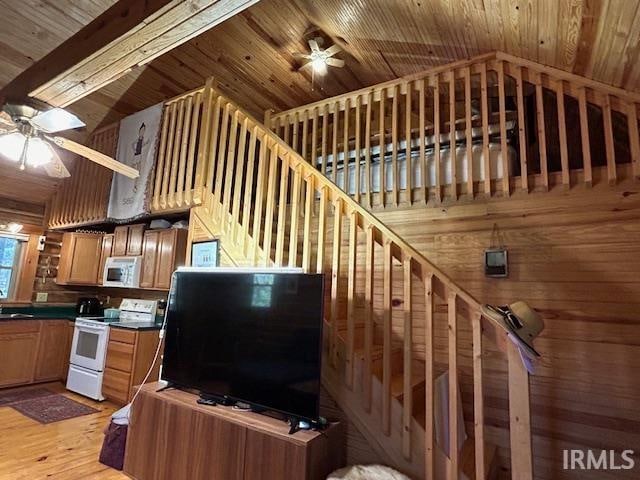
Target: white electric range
(89, 347)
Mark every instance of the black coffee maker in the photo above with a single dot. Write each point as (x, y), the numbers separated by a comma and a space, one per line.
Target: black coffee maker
(89, 307)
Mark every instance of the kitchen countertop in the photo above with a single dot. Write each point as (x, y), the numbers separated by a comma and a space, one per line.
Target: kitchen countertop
(142, 326)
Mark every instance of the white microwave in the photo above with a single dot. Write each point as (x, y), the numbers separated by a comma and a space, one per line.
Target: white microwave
(122, 272)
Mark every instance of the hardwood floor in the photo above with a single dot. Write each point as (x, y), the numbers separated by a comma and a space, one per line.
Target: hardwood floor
(66, 450)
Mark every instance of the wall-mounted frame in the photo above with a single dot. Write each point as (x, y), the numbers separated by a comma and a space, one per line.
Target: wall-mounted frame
(496, 263)
(205, 254)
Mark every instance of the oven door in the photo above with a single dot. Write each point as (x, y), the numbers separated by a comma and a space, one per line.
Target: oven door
(89, 346)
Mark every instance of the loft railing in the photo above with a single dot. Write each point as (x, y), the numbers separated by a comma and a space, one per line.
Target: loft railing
(275, 208)
(508, 119)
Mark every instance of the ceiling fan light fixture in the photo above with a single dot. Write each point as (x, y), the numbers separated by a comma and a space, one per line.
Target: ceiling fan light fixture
(38, 151)
(318, 63)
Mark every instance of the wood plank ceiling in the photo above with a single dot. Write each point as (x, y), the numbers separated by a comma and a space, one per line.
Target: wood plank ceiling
(251, 54)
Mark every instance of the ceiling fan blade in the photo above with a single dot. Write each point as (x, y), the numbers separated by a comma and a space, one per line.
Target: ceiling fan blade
(314, 45)
(6, 124)
(55, 168)
(95, 156)
(306, 66)
(56, 120)
(302, 55)
(332, 50)
(335, 62)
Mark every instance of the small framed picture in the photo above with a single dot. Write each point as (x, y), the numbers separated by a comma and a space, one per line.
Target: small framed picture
(495, 263)
(205, 254)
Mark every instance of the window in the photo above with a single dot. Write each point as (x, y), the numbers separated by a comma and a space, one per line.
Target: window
(10, 255)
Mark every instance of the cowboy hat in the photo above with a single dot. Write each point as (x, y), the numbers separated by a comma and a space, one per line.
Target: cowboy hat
(519, 319)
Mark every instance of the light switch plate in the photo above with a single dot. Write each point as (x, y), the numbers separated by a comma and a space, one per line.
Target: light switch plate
(42, 296)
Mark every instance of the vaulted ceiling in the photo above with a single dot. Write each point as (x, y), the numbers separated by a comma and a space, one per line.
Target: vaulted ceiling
(251, 54)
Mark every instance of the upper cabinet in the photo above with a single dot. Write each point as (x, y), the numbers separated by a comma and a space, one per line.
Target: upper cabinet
(127, 240)
(163, 252)
(79, 259)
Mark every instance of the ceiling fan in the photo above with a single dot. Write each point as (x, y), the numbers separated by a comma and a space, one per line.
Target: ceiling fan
(318, 59)
(25, 138)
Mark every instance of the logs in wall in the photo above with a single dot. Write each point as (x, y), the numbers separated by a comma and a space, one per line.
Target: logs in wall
(82, 198)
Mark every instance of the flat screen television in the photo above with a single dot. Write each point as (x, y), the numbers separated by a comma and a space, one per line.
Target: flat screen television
(248, 335)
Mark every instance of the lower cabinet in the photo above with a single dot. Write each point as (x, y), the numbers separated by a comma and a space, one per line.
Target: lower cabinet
(33, 351)
(130, 354)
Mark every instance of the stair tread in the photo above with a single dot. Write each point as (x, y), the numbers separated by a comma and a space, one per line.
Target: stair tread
(397, 383)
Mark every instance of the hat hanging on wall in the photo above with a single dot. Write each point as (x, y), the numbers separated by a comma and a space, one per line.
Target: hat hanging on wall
(518, 319)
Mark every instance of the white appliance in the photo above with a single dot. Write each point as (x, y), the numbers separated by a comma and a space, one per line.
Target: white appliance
(88, 355)
(89, 347)
(122, 272)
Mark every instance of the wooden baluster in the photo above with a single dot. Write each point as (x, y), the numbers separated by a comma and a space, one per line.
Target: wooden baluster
(314, 138)
(184, 149)
(407, 394)
(422, 137)
(486, 160)
(634, 141)
(584, 136)
(257, 213)
(305, 134)
(562, 134)
(478, 397)
(368, 319)
(436, 133)
(351, 297)
(542, 135)
(248, 191)
(295, 203)
(239, 180)
(296, 126)
(271, 192)
(287, 129)
(383, 149)
(325, 128)
(308, 215)
(367, 147)
(169, 157)
(387, 351)
(205, 160)
(282, 210)
(345, 147)
(408, 171)
(217, 191)
(519, 416)
(335, 277)
(522, 134)
(452, 135)
(394, 143)
(228, 177)
(504, 150)
(322, 229)
(193, 141)
(453, 385)
(608, 140)
(429, 373)
(177, 155)
(334, 141)
(468, 130)
(358, 149)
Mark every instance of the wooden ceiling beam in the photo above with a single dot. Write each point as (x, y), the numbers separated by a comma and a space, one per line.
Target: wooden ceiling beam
(128, 35)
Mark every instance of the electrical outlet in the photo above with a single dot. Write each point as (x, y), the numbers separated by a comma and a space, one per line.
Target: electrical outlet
(42, 296)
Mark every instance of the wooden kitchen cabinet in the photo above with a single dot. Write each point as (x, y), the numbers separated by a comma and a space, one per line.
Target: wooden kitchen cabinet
(149, 258)
(171, 254)
(53, 351)
(120, 237)
(79, 259)
(130, 353)
(107, 247)
(135, 239)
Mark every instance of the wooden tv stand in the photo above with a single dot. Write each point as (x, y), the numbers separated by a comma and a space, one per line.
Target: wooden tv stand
(172, 437)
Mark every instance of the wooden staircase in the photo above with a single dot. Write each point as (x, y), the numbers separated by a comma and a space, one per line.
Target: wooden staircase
(269, 207)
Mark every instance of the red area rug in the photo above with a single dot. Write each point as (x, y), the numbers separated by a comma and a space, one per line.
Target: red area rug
(52, 408)
(14, 396)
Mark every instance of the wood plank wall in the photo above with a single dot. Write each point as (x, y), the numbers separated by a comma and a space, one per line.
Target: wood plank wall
(573, 256)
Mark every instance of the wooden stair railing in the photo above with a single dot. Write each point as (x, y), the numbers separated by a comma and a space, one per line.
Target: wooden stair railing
(347, 135)
(272, 206)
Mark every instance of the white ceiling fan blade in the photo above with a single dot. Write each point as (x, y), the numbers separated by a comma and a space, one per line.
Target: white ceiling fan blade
(335, 62)
(302, 55)
(306, 66)
(95, 156)
(6, 124)
(332, 50)
(56, 120)
(313, 45)
(55, 168)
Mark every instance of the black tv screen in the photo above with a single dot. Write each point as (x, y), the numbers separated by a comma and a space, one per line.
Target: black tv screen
(253, 336)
